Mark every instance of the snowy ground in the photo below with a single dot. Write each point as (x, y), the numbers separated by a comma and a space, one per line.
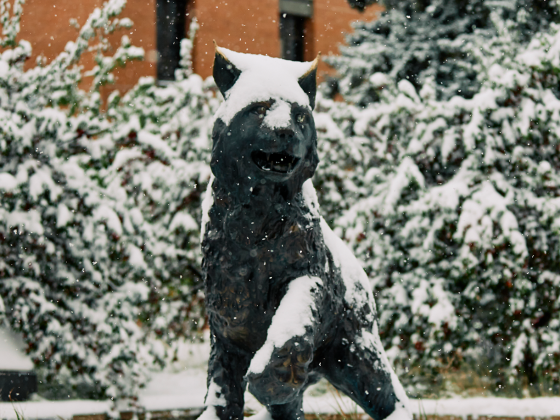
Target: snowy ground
(177, 391)
(12, 356)
(184, 387)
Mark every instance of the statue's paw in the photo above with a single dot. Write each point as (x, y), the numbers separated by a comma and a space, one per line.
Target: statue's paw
(290, 362)
(284, 376)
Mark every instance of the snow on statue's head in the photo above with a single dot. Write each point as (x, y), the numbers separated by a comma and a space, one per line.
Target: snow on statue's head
(264, 136)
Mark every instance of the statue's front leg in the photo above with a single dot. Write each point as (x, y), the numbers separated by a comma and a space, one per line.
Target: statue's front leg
(278, 372)
(226, 384)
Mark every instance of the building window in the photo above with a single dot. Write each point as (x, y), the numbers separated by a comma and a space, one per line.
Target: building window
(293, 17)
(171, 22)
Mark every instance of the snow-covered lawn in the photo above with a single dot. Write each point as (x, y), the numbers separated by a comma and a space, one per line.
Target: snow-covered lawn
(183, 387)
(186, 390)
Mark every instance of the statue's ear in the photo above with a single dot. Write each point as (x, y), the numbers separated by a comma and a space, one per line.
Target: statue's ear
(308, 82)
(225, 73)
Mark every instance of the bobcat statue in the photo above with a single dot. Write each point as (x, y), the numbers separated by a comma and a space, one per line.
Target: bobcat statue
(287, 301)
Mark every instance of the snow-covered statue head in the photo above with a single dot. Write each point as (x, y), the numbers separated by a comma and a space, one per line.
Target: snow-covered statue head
(287, 302)
(264, 131)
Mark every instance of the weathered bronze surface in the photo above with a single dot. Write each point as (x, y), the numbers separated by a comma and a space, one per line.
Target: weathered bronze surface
(261, 236)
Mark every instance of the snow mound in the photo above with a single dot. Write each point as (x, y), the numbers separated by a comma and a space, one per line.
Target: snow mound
(12, 353)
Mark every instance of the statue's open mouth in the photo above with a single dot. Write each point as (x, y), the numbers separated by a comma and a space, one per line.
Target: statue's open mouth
(274, 162)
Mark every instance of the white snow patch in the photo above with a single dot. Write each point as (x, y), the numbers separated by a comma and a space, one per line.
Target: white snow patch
(53, 409)
(330, 129)
(12, 353)
(443, 311)
(279, 115)
(206, 205)
(459, 407)
(215, 396)
(400, 413)
(351, 270)
(135, 256)
(209, 414)
(532, 58)
(406, 173)
(156, 143)
(526, 115)
(4, 70)
(310, 198)
(63, 215)
(174, 391)
(379, 79)
(124, 156)
(184, 220)
(293, 315)
(41, 180)
(498, 407)
(517, 355)
(7, 181)
(106, 214)
(408, 89)
(262, 78)
(28, 220)
(472, 130)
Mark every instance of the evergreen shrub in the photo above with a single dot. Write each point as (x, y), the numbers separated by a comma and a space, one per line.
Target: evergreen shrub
(453, 205)
(99, 209)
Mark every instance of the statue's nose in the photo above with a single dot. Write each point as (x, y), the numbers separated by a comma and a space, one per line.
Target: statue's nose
(285, 134)
(289, 142)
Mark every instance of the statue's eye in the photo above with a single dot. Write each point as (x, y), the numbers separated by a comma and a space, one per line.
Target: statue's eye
(260, 111)
(301, 118)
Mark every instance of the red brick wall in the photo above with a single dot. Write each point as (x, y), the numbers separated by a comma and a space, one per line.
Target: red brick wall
(246, 26)
(252, 26)
(331, 21)
(46, 25)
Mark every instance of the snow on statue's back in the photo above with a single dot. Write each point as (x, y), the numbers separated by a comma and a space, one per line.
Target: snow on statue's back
(287, 301)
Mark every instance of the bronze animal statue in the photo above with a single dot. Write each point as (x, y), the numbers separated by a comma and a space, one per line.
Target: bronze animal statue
(287, 302)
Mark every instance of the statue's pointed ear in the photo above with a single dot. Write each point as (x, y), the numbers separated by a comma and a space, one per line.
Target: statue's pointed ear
(225, 73)
(308, 82)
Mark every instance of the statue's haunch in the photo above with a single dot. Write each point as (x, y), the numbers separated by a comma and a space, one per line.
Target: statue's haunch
(287, 301)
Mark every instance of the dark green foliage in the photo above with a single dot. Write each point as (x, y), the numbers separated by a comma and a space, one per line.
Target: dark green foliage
(99, 236)
(422, 40)
(453, 205)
